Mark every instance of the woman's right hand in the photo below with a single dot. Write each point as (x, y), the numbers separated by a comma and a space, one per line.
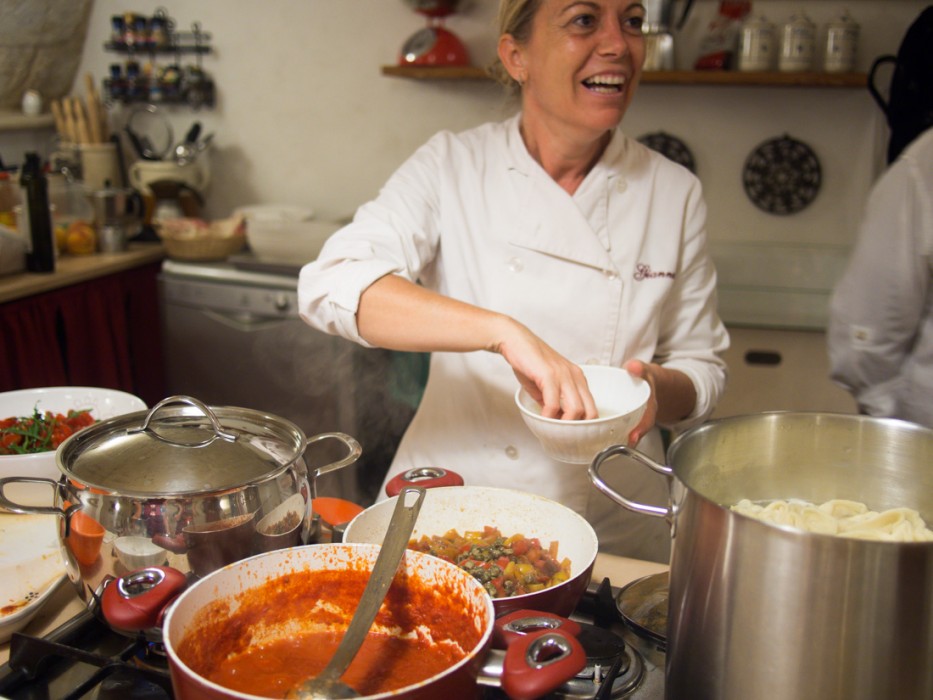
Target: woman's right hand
(552, 380)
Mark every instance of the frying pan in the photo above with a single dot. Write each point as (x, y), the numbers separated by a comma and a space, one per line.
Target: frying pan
(470, 508)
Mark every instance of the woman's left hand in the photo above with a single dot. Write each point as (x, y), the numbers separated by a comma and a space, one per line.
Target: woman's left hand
(637, 368)
(673, 396)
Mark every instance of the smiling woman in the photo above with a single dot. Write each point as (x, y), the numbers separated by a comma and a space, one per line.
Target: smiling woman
(512, 252)
(578, 69)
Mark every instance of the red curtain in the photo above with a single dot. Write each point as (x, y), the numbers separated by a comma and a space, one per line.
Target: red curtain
(104, 332)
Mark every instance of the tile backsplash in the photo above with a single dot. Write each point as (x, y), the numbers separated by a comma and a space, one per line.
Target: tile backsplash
(777, 286)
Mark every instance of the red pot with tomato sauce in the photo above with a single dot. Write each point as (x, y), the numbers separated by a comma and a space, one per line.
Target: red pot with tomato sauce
(261, 626)
(549, 527)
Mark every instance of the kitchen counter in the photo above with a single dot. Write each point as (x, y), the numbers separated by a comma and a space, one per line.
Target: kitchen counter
(71, 269)
(65, 604)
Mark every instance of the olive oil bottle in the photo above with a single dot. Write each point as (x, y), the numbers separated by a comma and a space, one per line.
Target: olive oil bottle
(38, 223)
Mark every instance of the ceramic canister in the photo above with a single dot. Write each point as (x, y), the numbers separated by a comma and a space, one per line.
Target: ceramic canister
(758, 45)
(798, 44)
(841, 45)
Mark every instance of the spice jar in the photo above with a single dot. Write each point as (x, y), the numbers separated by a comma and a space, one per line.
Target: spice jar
(798, 44)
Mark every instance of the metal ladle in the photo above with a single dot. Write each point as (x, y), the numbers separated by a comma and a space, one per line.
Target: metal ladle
(326, 685)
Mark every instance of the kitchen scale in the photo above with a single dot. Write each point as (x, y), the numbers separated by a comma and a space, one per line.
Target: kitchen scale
(434, 45)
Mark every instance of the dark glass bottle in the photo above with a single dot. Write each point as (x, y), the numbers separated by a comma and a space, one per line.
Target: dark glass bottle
(41, 256)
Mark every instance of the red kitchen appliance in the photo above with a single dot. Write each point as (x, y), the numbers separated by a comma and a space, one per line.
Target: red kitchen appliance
(434, 45)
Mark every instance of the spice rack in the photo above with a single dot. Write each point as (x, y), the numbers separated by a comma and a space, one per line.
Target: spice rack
(144, 76)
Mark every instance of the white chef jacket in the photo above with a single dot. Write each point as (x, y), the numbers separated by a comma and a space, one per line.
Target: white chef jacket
(617, 271)
(880, 335)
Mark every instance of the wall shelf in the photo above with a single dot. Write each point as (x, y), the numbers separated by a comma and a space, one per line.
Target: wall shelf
(13, 121)
(768, 79)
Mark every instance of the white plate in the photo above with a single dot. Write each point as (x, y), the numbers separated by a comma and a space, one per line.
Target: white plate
(31, 567)
(103, 404)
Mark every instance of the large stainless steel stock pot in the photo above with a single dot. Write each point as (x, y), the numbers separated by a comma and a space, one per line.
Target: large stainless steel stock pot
(762, 611)
(183, 485)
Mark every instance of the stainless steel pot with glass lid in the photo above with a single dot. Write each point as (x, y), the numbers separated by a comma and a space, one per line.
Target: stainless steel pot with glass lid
(183, 485)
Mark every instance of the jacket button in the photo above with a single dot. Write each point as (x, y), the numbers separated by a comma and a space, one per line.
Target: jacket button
(511, 452)
(621, 185)
(516, 265)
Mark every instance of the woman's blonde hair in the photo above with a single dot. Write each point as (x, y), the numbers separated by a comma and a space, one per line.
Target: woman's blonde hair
(515, 18)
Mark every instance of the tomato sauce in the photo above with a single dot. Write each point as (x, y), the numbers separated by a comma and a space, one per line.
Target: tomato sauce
(382, 664)
(274, 636)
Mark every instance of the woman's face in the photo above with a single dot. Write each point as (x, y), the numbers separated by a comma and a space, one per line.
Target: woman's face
(581, 64)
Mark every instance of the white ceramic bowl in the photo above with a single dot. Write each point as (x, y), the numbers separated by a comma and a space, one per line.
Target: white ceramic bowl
(275, 212)
(103, 404)
(139, 552)
(288, 241)
(621, 399)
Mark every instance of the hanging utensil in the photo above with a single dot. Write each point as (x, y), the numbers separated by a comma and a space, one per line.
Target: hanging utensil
(186, 151)
(150, 132)
(204, 143)
(327, 683)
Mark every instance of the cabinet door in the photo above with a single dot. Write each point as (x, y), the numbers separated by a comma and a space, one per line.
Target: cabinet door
(776, 370)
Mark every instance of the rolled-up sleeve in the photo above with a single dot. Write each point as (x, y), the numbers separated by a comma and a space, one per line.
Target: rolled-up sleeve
(394, 234)
(692, 336)
(329, 289)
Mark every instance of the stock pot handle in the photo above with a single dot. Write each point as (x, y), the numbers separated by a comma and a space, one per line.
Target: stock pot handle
(18, 508)
(599, 483)
(353, 454)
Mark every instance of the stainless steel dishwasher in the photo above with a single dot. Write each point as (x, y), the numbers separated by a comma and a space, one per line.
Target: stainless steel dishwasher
(232, 336)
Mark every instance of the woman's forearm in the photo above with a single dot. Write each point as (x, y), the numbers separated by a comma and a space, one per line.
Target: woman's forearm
(677, 396)
(400, 315)
(396, 314)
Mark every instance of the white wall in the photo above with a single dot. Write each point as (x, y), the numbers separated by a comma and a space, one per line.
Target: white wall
(304, 115)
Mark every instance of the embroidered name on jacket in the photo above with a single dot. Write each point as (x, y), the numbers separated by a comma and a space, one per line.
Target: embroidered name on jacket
(644, 272)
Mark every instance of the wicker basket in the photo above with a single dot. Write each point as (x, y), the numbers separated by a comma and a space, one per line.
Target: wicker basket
(203, 249)
(195, 240)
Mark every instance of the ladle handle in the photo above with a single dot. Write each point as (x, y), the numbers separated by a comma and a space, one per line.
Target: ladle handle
(387, 561)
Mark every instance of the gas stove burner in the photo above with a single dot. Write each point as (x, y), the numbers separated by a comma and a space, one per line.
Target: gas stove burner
(601, 646)
(124, 684)
(613, 669)
(151, 656)
(608, 660)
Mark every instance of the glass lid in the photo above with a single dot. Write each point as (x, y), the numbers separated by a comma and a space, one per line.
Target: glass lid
(181, 447)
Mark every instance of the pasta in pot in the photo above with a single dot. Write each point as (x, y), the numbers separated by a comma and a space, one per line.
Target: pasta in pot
(841, 517)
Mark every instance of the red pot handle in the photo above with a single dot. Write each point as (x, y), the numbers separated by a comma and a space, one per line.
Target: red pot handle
(138, 600)
(425, 477)
(538, 663)
(521, 623)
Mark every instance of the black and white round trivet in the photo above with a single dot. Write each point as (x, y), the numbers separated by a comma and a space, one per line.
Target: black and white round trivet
(782, 176)
(671, 147)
